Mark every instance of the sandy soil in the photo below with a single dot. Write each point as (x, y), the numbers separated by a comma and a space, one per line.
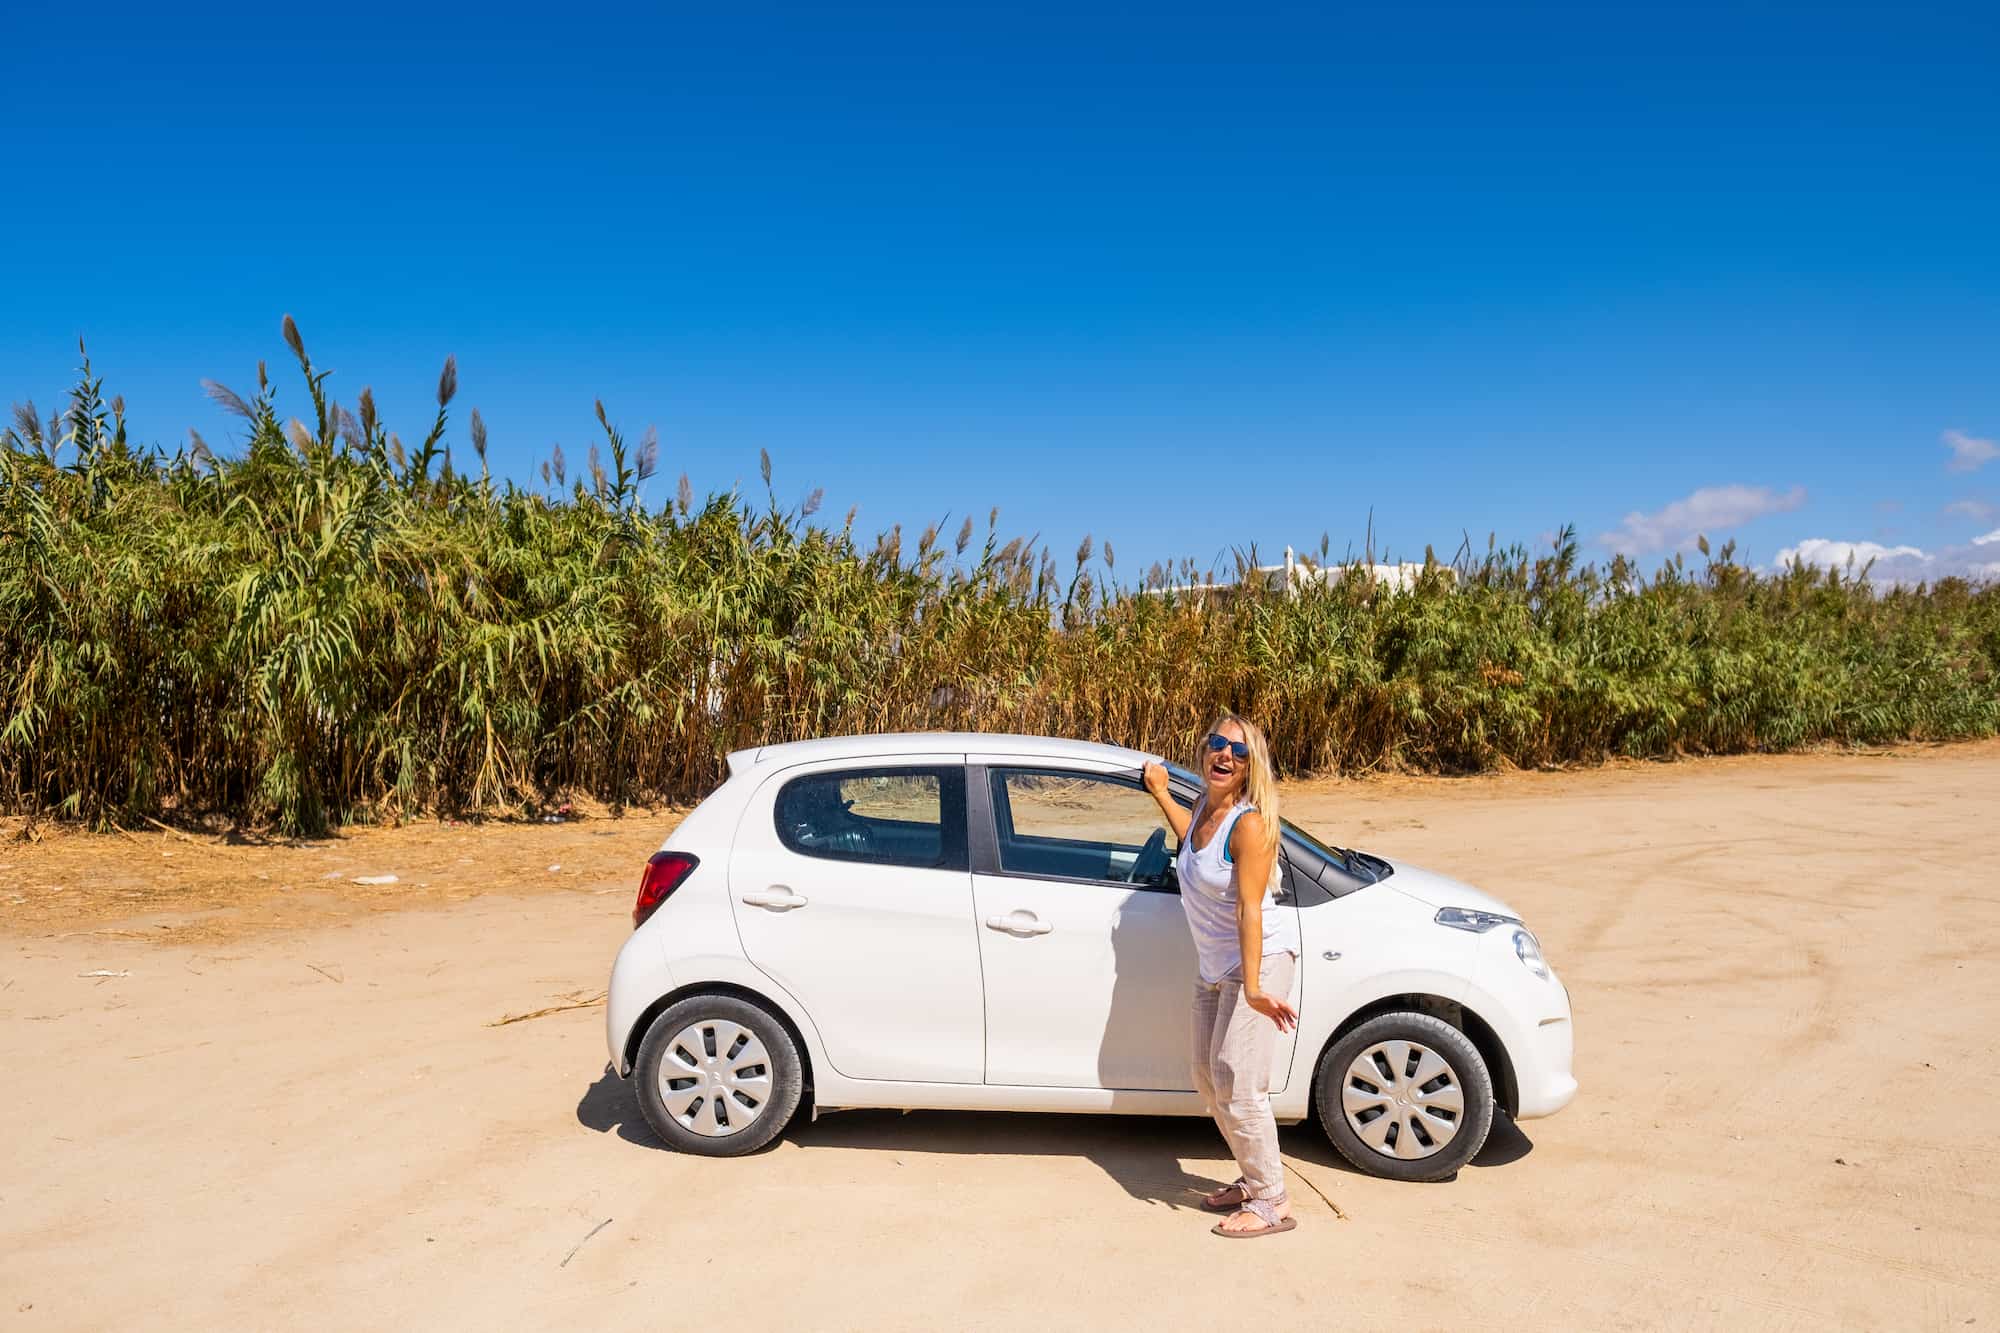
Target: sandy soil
(291, 1107)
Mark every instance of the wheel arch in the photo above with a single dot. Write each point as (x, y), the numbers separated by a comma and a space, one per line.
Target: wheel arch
(748, 996)
(1506, 1090)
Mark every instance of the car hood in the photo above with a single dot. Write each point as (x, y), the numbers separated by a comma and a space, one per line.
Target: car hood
(1435, 890)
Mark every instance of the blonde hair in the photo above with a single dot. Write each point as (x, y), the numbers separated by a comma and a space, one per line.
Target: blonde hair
(1260, 784)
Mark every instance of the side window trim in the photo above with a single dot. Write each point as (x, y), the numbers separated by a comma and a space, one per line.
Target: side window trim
(982, 839)
(953, 803)
(982, 794)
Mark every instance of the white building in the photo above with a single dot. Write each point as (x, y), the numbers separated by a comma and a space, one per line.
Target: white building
(1295, 574)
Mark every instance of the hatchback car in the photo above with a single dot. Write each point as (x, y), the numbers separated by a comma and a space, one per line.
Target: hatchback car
(977, 922)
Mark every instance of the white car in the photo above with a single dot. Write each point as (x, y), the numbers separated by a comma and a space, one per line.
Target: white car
(975, 922)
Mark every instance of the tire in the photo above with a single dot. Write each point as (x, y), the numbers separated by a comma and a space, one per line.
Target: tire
(696, 1076)
(1421, 1140)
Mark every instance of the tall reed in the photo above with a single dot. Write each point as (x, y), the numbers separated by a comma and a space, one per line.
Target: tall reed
(333, 626)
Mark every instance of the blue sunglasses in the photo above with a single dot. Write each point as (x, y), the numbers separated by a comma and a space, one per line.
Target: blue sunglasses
(1217, 741)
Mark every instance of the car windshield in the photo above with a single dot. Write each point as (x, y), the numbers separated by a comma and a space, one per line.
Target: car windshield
(1351, 862)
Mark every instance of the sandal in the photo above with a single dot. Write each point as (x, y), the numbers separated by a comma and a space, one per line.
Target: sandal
(1210, 1204)
(1265, 1211)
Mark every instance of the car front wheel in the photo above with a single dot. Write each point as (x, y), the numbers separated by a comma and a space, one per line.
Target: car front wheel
(1405, 1096)
(718, 1076)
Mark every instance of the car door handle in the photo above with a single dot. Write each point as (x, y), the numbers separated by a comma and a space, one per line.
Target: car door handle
(777, 898)
(1019, 922)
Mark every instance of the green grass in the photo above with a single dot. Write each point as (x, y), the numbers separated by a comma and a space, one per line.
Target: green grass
(334, 627)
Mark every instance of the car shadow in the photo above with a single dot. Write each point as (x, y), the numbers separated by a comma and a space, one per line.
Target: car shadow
(1142, 1154)
(1505, 1145)
(610, 1106)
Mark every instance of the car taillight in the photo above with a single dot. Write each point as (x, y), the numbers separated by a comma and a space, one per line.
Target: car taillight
(664, 873)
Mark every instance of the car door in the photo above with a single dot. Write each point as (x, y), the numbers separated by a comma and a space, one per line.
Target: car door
(1089, 972)
(850, 887)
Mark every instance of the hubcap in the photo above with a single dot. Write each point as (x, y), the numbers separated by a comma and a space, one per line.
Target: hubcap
(715, 1078)
(1403, 1099)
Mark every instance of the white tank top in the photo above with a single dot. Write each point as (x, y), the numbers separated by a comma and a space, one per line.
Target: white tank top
(1208, 896)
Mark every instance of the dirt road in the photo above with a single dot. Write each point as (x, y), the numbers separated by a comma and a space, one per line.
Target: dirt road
(287, 1107)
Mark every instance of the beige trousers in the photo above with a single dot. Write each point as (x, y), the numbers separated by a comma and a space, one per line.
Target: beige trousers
(1233, 1049)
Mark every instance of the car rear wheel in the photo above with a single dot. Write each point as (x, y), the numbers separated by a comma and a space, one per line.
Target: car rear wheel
(718, 1076)
(1405, 1096)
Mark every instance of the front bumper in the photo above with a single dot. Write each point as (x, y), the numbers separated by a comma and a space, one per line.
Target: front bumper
(1542, 1074)
(1531, 1016)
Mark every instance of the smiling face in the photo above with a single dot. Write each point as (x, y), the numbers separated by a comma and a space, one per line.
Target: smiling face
(1224, 773)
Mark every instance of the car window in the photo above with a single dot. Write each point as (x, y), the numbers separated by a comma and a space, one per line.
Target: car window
(894, 816)
(1059, 825)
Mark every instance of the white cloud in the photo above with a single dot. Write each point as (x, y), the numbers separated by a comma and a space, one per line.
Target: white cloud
(1712, 510)
(1898, 564)
(1968, 452)
(1838, 555)
(1977, 509)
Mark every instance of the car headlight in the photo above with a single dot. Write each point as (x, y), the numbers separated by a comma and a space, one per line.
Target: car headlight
(1529, 951)
(1467, 918)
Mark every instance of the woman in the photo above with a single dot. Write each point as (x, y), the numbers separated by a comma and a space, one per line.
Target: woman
(1248, 952)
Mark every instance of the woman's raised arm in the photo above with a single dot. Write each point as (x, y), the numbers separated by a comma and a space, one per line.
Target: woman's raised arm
(1155, 778)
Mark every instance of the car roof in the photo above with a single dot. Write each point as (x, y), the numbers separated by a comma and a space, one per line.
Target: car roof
(935, 742)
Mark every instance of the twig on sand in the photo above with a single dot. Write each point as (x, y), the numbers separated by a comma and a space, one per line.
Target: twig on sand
(590, 1003)
(213, 844)
(1316, 1190)
(341, 981)
(168, 1050)
(580, 1244)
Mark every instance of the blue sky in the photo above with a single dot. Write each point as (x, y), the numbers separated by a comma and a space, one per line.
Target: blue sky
(1183, 279)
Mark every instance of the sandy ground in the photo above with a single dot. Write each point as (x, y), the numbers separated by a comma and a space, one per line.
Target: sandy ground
(290, 1108)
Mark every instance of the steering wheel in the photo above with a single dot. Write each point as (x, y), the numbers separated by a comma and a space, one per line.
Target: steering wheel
(1152, 860)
